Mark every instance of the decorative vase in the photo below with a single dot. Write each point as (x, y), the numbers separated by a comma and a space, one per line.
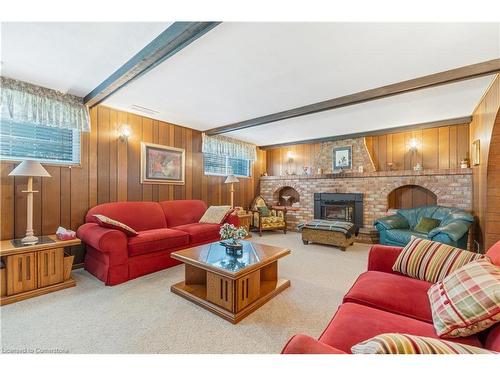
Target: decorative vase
(232, 247)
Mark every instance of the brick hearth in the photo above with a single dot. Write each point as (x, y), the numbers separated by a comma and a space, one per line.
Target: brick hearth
(452, 187)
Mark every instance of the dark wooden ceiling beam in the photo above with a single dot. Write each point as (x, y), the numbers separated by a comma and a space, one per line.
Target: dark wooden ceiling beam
(397, 129)
(432, 80)
(168, 43)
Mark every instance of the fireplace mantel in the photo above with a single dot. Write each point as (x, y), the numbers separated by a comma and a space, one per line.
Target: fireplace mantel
(425, 172)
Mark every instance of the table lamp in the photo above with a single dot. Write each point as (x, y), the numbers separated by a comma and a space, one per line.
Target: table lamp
(30, 169)
(231, 179)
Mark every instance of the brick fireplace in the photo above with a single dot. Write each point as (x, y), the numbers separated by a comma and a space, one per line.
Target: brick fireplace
(452, 187)
(340, 207)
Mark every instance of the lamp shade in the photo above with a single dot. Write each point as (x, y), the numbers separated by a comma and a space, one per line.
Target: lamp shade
(231, 179)
(30, 168)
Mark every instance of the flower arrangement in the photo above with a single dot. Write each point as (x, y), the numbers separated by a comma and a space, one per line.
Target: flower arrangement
(229, 231)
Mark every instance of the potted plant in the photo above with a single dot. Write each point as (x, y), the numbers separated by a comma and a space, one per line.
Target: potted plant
(232, 233)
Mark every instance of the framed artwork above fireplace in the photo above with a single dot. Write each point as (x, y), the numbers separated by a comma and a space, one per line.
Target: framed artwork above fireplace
(342, 158)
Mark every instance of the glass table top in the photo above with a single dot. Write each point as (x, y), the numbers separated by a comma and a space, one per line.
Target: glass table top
(217, 256)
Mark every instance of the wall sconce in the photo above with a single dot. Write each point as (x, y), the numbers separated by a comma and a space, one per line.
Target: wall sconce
(413, 144)
(289, 156)
(124, 133)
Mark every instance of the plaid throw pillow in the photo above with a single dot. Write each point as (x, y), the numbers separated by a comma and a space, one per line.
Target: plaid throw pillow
(431, 261)
(397, 343)
(106, 222)
(467, 301)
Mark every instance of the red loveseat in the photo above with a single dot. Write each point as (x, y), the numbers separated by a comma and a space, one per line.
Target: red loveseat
(163, 227)
(383, 301)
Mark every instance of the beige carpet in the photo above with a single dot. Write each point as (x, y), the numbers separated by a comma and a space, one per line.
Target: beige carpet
(143, 316)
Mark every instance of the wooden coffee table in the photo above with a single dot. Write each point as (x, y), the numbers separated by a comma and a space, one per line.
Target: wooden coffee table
(231, 286)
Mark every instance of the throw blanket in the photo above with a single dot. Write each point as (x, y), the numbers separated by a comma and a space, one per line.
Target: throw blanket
(336, 226)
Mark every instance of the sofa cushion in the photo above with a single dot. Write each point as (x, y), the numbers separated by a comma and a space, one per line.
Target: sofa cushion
(138, 215)
(467, 301)
(402, 235)
(200, 232)
(152, 240)
(180, 212)
(492, 338)
(431, 261)
(397, 343)
(494, 253)
(355, 323)
(378, 289)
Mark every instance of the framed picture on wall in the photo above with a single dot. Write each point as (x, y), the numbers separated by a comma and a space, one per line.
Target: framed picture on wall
(476, 152)
(342, 158)
(162, 164)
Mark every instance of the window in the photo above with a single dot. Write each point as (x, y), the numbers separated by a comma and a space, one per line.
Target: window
(224, 165)
(37, 142)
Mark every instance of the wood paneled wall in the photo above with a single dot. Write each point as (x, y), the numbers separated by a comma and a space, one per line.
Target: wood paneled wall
(485, 127)
(303, 155)
(438, 148)
(110, 171)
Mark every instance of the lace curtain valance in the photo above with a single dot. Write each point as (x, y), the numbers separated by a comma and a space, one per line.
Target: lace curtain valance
(24, 102)
(233, 148)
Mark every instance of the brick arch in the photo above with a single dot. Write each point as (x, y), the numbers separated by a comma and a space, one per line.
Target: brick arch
(433, 188)
(294, 186)
(410, 196)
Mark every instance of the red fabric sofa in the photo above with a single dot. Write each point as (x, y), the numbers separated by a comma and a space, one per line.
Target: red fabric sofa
(163, 227)
(383, 301)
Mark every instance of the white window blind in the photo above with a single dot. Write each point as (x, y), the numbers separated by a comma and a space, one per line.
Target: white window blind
(222, 165)
(37, 142)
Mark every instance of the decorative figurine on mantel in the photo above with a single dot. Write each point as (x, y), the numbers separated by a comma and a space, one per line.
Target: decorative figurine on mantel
(464, 163)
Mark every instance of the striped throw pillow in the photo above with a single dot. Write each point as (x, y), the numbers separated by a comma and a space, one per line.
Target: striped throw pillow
(398, 343)
(431, 261)
(467, 301)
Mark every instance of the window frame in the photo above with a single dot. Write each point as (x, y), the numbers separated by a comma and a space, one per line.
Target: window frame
(227, 166)
(48, 162)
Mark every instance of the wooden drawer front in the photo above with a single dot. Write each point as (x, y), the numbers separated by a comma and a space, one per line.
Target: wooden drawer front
(21, 273)
(50, 267)
(220, 290)
(247, 290)
(3, 282)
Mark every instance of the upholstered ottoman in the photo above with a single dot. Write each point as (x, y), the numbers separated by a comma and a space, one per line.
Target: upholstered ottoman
(336, 233)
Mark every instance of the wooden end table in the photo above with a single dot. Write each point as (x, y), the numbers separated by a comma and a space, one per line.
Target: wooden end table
(230, 286)
(245, 219)
(33, 270)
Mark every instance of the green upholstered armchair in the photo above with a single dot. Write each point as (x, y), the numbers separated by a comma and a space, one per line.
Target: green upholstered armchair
(453, 226)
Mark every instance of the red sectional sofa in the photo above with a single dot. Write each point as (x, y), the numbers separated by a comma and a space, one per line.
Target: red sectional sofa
(163, 227)
(383, 301)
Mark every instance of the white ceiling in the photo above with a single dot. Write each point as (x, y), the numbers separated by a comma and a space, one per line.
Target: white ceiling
(417, 107)
(71, 57)
(238, 71)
